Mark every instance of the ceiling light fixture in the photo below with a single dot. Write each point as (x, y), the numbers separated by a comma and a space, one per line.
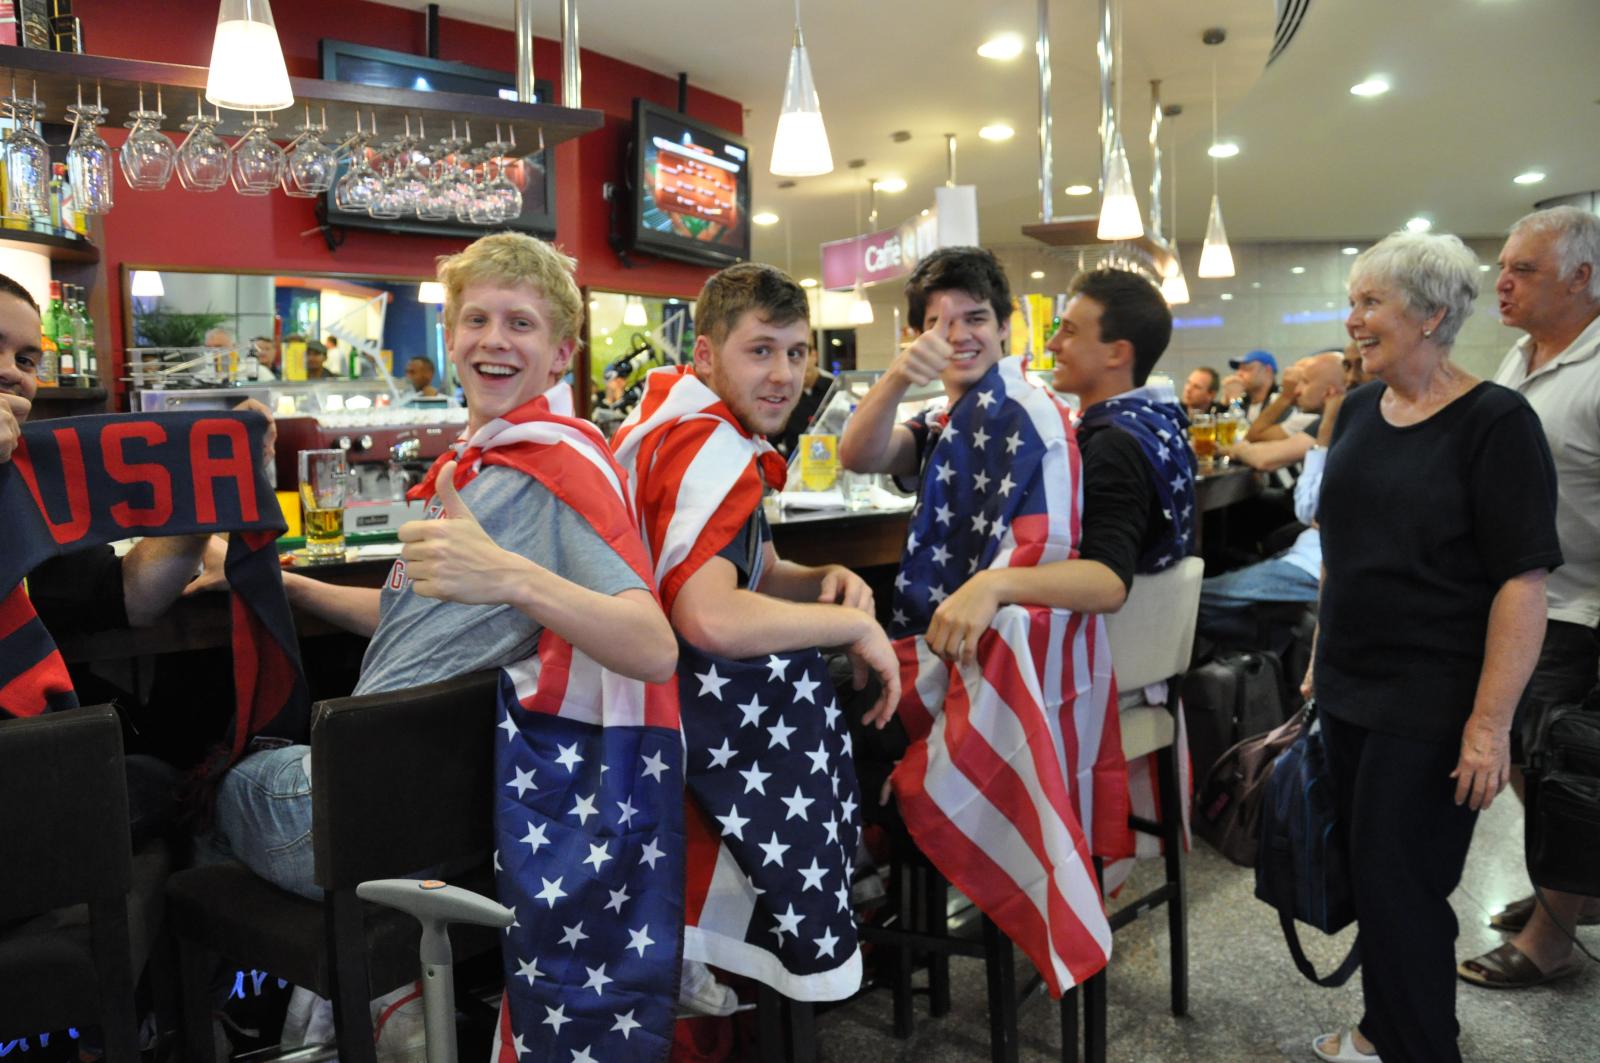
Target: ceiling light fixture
(1226, 297)
(1078, 190)
(430, 292)
(146, 285)
(800, 148)
(1370, 87)
(1216, 258)
(889, 184)
(1349, 250)
(808, 282)
(1223, 151)
(1003, 46)
(247, 71)
(861, 309)
(1037, 274)
(997, 132)
(633, 313)
(766, 217)
(1175, 286)
(1119, 207)
(1532, 177)
(1419, 224)
(1297, 270)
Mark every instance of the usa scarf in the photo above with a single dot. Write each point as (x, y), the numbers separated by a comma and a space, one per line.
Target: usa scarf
(1151, 415)
(81, 482)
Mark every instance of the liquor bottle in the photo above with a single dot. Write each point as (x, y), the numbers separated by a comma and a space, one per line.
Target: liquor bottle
(66, 29)
(57, 328)
(88, 357)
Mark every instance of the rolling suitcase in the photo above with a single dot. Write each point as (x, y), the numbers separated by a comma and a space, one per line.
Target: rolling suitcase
(1228, 699)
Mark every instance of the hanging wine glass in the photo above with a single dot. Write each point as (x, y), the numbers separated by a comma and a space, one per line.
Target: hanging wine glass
(203, 158)
(507, 194)
(257, 163)
(89, 167)
(353, 191)
(27, 160)
(148, 157)
(312, 164)
(387, 200)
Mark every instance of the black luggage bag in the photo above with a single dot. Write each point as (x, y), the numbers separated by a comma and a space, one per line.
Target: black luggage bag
(1228, 699)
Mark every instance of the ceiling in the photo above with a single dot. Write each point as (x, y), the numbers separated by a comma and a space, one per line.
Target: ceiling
(1482, 90)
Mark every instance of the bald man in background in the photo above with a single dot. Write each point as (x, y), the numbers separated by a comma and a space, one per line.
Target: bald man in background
(1308, 384)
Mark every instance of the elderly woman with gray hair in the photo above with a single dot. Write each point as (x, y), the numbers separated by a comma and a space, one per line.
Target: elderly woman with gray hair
(1438, 529)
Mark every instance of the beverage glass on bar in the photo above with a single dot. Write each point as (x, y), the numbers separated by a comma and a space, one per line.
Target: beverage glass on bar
(1203, 437)
(324, 476)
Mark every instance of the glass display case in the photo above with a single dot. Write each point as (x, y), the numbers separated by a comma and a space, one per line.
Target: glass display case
(817, 486)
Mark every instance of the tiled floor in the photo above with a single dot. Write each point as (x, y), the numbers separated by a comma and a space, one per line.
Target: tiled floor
(1247, 1001)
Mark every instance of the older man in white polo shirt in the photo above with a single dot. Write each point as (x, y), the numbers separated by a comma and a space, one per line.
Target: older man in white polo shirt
(1549, 287)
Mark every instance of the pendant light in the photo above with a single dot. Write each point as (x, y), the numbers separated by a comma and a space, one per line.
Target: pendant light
(860, 307)
(431, 292)
(247, 71)
(633, 312)
(1216, 258)
(146, 284)
(1175, 286)
(1119, 208)
(800, 148)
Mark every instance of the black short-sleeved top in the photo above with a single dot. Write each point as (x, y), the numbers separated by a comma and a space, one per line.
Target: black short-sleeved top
(746, 548)
(1119, 502)
(79, 592)
(1421, 525)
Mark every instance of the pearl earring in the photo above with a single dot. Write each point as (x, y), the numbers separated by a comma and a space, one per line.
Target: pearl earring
(1427, 332)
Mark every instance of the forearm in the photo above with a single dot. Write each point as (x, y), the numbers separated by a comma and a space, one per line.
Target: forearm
(749, 624)
(1511, 649)
(626, 632)
(867, 444)
(354, 609)
(793, 582)
(1080, 585)
(1274, 453)
(155, 572)
(1265, 427)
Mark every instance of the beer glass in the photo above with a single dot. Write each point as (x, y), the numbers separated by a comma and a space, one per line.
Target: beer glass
(324, 481)
(1203, 437)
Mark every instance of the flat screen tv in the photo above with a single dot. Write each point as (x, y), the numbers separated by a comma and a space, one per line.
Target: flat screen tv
(534, 174)
(691, 189)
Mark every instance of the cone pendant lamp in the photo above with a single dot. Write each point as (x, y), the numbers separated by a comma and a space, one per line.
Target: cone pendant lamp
(800, 148)
(1119, 209)
(247, 71)
(1216, 258)
(1174, 287)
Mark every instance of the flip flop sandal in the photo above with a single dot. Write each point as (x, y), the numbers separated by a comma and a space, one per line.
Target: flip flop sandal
(1514, 916)
(1507, 967)
(1346, 1044)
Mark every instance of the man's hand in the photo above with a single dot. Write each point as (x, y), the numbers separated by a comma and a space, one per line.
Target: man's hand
(925, 358)
(269, 444)
(13, 411)
(454, 558)
(1485, 765)
(1308, 686)
(211, 576)
(840, 586)
(872, 652)
(1293, 382)
(961, 620)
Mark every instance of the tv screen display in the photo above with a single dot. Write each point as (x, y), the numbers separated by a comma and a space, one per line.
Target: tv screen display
(691, 186)
(533, 174)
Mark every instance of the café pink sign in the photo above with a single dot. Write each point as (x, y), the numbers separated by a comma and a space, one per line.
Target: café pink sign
(874, 257)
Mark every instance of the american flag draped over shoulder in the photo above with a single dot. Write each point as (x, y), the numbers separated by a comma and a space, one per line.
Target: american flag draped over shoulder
(773, 823)
(1152, 416)
(82, 482)
(588, 795)
(1015, 775)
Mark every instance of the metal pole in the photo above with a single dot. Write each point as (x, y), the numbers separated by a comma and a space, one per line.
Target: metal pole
(950, 160)
(1155, 153)
(1046, 178)
(524, 29)
(571, 73)
(1108, 116)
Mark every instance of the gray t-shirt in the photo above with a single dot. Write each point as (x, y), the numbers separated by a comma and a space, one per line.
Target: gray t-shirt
(423, 640)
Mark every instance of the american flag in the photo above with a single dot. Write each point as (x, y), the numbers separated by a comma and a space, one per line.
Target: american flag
(80, 482)
(589, 794)
(773, 824)
(1015, 775)
(1152, 416)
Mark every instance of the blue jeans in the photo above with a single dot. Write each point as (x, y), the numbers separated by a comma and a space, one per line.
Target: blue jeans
(264, 818)
(1225, 598)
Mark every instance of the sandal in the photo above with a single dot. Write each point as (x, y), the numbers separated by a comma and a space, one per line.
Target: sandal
(1514, 916)
(1345, 1042)
(1508, 967)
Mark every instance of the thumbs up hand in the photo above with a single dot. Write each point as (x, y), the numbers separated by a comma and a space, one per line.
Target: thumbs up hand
(924, 358)
(454, 558)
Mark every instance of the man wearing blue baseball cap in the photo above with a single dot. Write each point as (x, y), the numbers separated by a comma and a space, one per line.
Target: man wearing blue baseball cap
(1259, 371)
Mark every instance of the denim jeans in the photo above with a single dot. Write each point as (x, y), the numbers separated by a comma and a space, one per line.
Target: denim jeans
(1224, 598)
(264, 818)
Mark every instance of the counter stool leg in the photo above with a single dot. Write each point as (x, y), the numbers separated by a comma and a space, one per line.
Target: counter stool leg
(1172, 843)
(1094, 1019)
(904, 874)
(1069, 1026)
(195, 964)
(936, 894)
(1002, 976)
(802, 1031)
(769, 1023)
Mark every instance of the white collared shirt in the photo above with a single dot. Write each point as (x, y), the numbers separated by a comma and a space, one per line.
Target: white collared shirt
(1565, 393)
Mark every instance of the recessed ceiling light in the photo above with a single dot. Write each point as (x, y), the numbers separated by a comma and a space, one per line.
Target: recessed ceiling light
(996, 132)
(1370, 87)
(1297, 269)
(1227, 297)
(766, 217)
(1532, 177)
(1255, 284)
(925, 212)
(1225, 150)
(808, 282)
(1078, 190)
(1483, 268)
(1419, 224)
(1037, 274)
(1349, 250)
(1004, 46)
(890, 184)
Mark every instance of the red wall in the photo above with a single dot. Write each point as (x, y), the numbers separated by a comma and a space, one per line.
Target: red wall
(222, 230)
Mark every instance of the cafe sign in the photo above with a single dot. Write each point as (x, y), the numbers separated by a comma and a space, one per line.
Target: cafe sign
(893, 253)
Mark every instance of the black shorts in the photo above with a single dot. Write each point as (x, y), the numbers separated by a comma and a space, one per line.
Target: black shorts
(1568, 668)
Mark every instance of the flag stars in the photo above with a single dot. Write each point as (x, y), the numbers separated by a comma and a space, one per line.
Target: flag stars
(980, 438)
(773, 851)
(597, 856)
(518, 1047)
(573, 935)
(937, 594)
(943, 514)
(812, 875)
(626, 812)
(640, 939)
(721, 755)
(752, 710)
(733, 823)
(653, 766)
(797, 805)
(943, 472)
(778, 734)
(843, 893)
(711, 683)
(777, 666)
(523, 781)
(535, 837)
(979, 523)
(583, 808)
(825, 944)
(901, 580)
(598, 979)
(755, 779)
(581, 1055)
(1178, 485)
(618, 899)
(788, 922)
(981, 481)
(569, 757)
(832, 713)
(986, 399)
(509, 726)
(556, 1017)
(819, 757)
(1013, 442)
(529, 969)
(803, 688)
(625, 1023)
(651, 853)
(551, 893)
(940, 554)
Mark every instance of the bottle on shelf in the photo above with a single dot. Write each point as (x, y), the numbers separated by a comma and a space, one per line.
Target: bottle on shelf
(56, 326)
(88, 358)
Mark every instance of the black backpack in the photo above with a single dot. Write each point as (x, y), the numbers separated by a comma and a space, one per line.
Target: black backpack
(1563, 818)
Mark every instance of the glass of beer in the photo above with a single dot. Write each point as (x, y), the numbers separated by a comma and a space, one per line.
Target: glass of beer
(1203, 437)
(324, 479)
